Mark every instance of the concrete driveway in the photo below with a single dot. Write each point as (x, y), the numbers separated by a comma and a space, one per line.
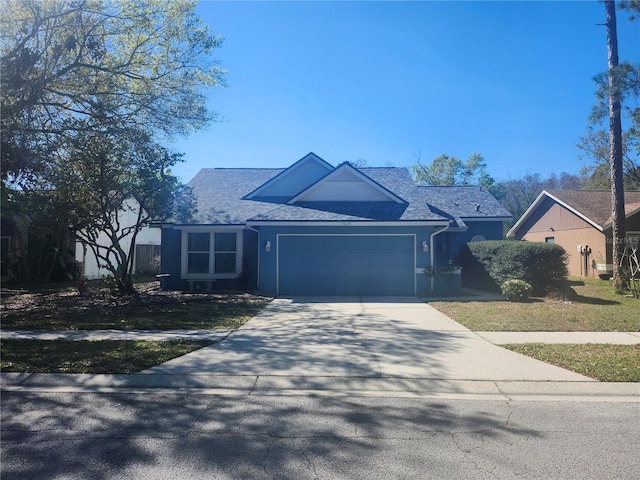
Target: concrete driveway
(372, 337)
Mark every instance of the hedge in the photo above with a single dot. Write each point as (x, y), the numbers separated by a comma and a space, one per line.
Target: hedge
(487, 265)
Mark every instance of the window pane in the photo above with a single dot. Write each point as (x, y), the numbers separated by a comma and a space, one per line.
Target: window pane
(225, 242)
(226, 262)
(198, 242)
(198, 263)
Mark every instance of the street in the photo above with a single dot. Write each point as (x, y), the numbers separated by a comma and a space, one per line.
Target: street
(159, 435)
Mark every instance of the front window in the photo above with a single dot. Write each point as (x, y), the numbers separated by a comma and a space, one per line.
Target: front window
(211, 254)
(225, 252)
(198, 247)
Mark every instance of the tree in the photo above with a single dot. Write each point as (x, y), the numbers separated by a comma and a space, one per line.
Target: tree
(109, 178)
(68, 65)
(596, 150)
(518, 194)
(89, 87)
(358, 163)
(615, 140)
(446, 170)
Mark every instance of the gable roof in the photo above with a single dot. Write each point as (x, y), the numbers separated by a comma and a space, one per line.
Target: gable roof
(235, 196)
(593, 206)
(278, 187)
(349, 178)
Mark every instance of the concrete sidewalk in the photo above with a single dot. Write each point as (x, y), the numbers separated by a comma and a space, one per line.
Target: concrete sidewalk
(497, 338)
(616, 338)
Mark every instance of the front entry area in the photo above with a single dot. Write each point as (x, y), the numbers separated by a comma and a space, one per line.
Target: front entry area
(360, 265)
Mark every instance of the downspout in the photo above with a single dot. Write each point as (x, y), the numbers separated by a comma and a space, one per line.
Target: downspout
(432, 253)
(258, 268)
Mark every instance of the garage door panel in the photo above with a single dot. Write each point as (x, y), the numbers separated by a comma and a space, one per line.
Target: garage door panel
(346, 265)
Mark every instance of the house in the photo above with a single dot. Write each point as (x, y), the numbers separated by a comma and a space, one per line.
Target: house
(580, 221)
(317, 229)
(146, 252)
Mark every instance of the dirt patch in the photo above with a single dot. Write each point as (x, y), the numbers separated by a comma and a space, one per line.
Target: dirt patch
(67, 298)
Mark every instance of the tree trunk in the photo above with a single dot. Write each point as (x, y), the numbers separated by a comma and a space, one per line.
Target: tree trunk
(615, 151)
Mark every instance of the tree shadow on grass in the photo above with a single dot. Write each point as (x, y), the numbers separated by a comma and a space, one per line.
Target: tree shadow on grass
(595, 301)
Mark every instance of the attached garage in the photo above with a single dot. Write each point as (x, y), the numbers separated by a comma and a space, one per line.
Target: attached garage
(359, 265)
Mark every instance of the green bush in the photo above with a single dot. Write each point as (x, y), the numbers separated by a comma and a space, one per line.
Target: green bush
(516, 290)
(488, 265)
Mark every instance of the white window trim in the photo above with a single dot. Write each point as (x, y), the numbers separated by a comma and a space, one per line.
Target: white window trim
(211, 275)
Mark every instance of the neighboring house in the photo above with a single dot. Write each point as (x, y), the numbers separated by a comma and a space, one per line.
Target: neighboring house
(580, 221)
(147, 250)
(322, 230)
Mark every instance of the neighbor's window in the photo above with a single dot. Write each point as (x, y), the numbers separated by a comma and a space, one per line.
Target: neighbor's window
(198, 248)
(225, 252)
(549, 240)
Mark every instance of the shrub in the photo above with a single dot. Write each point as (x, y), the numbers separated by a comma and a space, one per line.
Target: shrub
(516, 290)
(488, 265)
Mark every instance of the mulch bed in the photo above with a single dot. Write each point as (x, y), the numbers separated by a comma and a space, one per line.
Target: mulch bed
(67, 298)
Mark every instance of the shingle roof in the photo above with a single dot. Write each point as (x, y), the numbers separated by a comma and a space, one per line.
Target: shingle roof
(596, 204)
(220, 192)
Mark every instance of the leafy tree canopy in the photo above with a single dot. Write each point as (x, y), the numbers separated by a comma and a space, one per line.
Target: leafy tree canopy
(446, 170)
(89, 89)
(72, 66)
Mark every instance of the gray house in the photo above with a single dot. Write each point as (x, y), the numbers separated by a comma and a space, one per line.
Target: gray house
(317, 229)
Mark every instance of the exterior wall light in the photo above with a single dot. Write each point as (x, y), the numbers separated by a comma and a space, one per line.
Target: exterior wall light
(267, 246)
(425, 246)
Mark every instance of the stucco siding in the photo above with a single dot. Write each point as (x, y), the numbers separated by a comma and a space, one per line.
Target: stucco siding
(570, 240)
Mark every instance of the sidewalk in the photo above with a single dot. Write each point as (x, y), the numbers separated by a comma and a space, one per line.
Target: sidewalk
(497, 338)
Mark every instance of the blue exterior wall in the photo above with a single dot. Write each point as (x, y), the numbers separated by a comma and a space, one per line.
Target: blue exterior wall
(171, 258)
(490, 230)
(260, 267)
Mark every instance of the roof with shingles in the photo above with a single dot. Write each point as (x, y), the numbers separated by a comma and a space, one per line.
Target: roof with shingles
(220, 200)
(594, 206)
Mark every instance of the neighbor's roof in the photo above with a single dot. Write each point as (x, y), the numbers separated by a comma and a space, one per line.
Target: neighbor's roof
(220, 200)
(594, 206)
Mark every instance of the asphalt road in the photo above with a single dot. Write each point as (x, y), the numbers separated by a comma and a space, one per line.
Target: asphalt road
(151, 435)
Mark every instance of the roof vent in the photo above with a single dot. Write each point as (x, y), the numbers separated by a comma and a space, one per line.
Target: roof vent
(477, 207)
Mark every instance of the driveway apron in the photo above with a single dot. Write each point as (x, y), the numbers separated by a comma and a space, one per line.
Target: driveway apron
(369, 337)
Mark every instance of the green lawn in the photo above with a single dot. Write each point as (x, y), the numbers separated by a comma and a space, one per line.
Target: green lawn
(108, 356)
(606, 363)
(595, 309)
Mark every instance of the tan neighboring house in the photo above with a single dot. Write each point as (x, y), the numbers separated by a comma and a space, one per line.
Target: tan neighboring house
(580, 221)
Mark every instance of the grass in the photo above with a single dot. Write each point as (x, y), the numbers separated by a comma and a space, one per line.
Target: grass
(596, 309)
(108, 356)
(606, 363)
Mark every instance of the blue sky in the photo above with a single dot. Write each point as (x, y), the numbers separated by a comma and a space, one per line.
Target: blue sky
(388, 81)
